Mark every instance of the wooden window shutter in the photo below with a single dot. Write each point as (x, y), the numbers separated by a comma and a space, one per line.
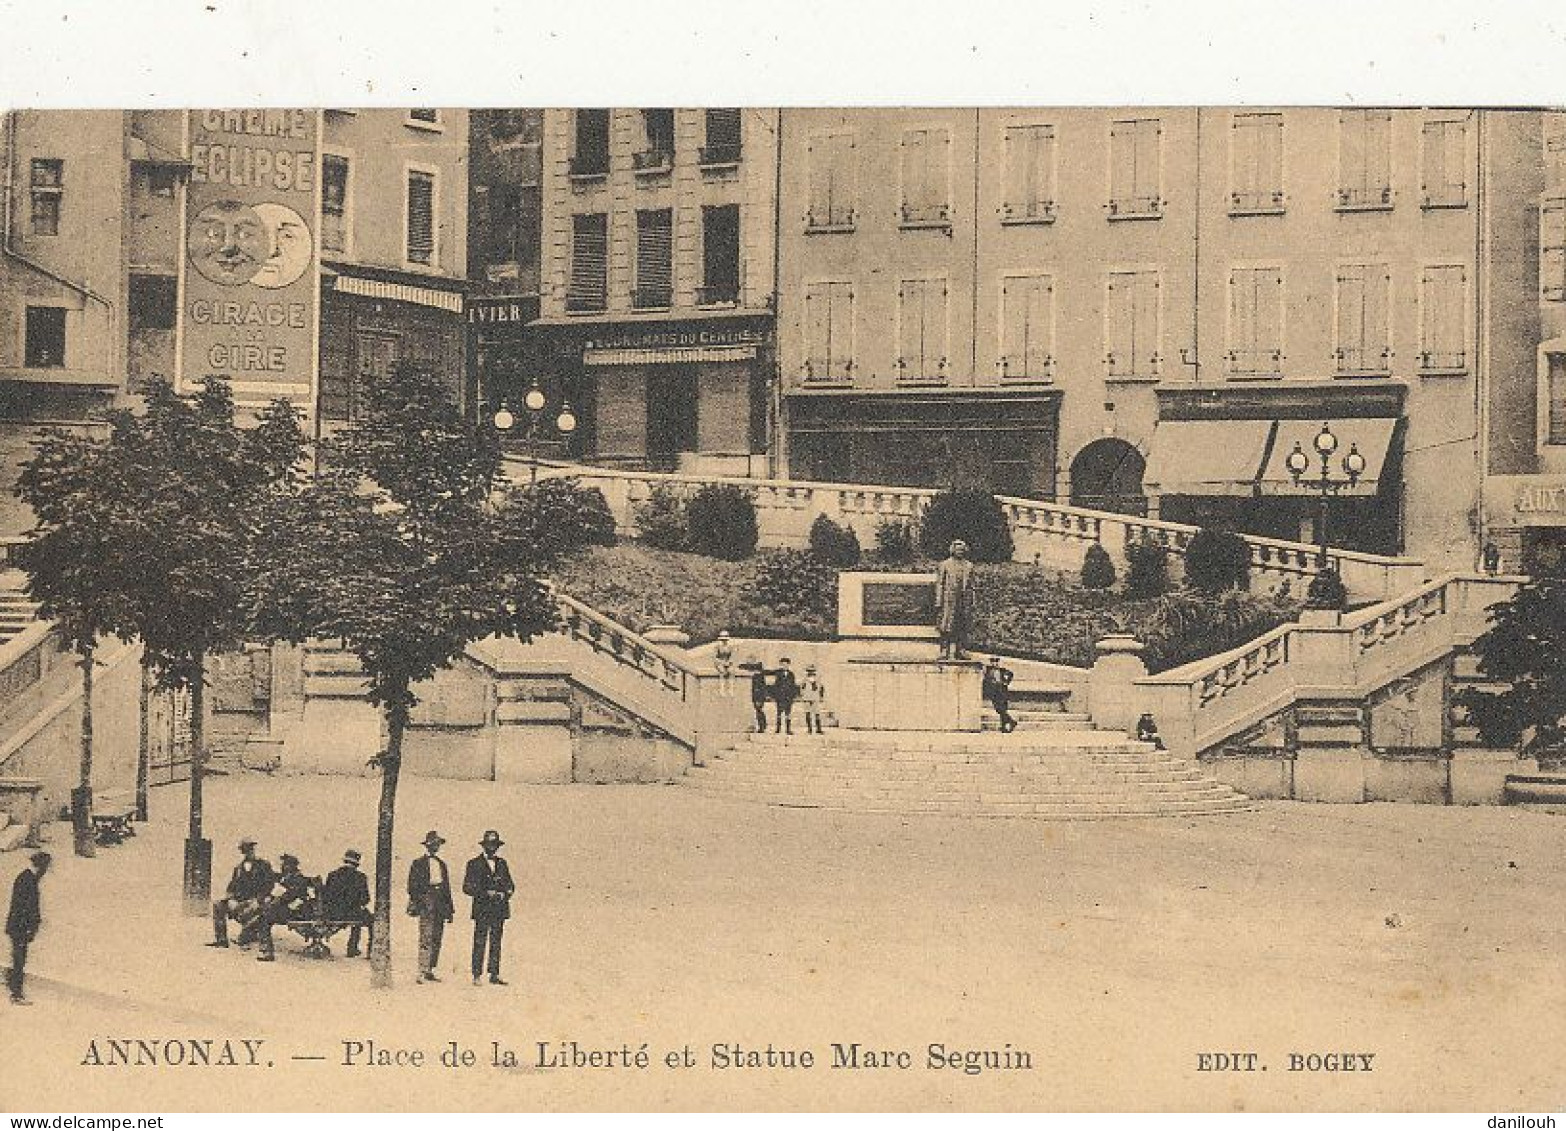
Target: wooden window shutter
(421, 217)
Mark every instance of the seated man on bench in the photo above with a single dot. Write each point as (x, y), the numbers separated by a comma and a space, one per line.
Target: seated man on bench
(345, 898)
(248, 888)
(293, 897)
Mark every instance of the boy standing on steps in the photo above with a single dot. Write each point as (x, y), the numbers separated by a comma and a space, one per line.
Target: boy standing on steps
(812, 697)
(997, 689)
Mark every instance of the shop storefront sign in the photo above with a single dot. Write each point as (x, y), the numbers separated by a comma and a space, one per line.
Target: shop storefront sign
(1527, 500)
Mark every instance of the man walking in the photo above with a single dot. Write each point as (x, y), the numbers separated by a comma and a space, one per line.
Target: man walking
(488, 882)
(248, 886)
(429, 898)
(345, 898)
(23, 921)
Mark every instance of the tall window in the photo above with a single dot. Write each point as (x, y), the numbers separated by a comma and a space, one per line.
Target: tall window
(1365, 159)
(1445, 144)
(1255, 322)
(658, 151)
(1364, 339)
(1030, 174)
(591, 155)
(1443, 319)
(153, 302)
(588, 289)
(1135, 178)
(334, 203)
(1027, 328)
(654, 258)
(720, 249)
(1256, 163)
(48, 185)
(829, 331)
(424, 117)
(926, 160)
(44, 347)
(921, 330)
(1552, 249)
(421, 217)
(833, 182)
(1555, 373)
(723, 138)
(1131, 324)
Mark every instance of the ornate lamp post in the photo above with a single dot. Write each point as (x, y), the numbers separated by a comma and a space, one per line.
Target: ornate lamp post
(1326, 588)
(536, 402)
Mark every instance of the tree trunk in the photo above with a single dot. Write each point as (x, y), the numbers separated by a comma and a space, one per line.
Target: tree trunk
(391, 767)
(198, 850)
(81, 796)
(143, 741)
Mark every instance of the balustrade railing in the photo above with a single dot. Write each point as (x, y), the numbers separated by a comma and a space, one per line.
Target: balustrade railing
(583, 623)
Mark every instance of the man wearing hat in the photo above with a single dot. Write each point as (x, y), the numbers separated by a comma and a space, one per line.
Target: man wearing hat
(488, 882)
(23, 920)
(429, 898)
(250, 883)
(345, 898)
(289, 900)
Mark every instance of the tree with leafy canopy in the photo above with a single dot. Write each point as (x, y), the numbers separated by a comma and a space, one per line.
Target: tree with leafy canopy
(403, 548)
(1525, 650)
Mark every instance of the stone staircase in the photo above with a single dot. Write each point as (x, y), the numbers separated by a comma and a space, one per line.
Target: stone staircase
(16, 611)
(1060, 768)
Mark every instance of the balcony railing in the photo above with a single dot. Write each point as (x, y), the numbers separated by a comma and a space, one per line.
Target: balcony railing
(586, 303)
(1028, 212)
(1366, 198)
(1256, 202)
(659, 160)
(656, 297)
(1445, 196)
(718, 294)
(1369, 361)
(835, 218)
(587, 165)
(714, 156)
(925, 215)
(1135, 207)
(1443, 361)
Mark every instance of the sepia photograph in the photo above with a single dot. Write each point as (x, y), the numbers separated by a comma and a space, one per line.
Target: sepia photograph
(881, 604)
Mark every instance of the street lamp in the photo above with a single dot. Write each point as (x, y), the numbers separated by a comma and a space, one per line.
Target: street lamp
(1326, 588)
(535, 401)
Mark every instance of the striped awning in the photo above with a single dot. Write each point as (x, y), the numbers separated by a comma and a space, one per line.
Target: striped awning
(400, 292)
(674, 355)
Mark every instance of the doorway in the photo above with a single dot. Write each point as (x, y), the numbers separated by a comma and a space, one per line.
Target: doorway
(672, 405)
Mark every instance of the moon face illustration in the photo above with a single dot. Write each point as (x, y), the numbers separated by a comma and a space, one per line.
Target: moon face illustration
(228, 243)
(289, 246)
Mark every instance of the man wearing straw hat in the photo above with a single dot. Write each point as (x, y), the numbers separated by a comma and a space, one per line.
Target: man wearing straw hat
(429, 899)
(488, 882)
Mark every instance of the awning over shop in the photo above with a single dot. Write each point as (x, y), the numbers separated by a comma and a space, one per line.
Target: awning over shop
(1207, 457)
(400, 292)
(1372, 436)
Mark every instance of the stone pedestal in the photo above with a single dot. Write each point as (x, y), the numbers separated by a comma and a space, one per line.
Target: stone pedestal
(889, 693)
(1112, 697)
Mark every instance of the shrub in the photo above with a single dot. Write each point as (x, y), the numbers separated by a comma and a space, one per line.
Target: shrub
(894, 543)
(797, 582)
(1187, 626)
(660, 521)
(1217, 560)
(1098, 572)
(1326, 591)
(557, 516)
(834, 544)
(976, 517)
(1147, 570)
(720, 521)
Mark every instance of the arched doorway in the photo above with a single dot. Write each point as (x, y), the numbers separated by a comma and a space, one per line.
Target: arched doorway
(1107, 476)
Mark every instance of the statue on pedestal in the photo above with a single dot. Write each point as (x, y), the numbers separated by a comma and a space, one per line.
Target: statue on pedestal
(954, 601)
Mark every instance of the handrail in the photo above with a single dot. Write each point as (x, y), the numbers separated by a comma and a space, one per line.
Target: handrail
(583, 622)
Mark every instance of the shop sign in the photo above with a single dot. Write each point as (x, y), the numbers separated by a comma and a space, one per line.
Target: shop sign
(677, 337)
(501, 311)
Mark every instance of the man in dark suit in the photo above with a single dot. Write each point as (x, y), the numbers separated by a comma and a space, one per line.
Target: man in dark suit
(248, 886)
(996, 688)
(291, 898)
(785, 689)
(488, 882)
(429, 898)
(23, 921)
(345, 898)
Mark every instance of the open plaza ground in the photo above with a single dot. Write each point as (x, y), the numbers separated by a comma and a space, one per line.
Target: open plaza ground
(1113, 954)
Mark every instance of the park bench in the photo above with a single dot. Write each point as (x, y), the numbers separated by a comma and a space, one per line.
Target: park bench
(317, 932)
(112, 814)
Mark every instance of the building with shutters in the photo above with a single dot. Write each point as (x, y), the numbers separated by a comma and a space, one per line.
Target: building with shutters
(657, 284)
(1147, 308)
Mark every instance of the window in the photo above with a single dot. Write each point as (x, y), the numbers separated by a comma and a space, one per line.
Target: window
(161, 180)
(1552, 249)
(425, 119)
(1131, 324)
(657, 155)
(45, 345)
(589, 286)
(334, 203)
(1256, 164)
(1443, 319)
(421, 217)
(153, 302)
(1255, 322)
(833, 187)
(1364, 159)
(48, 184)
(1027, 328)
(654, 259)
(1446, 164)
(1135, 179)
(921, 330)
(1030, 175)
(591, 157)
(723, 138)
(377, 354)
(720, 251)
(1555, 372)
(508, 220)
(1364, 345)
(926, 178)
(829, 332)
